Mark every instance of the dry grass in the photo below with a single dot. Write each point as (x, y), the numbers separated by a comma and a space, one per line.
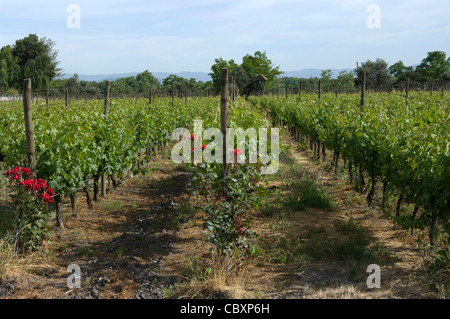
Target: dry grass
(22, 268)
(345, 292)
(224, 278)
(6, 258)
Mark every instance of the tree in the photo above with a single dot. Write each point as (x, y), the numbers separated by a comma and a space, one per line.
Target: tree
(244, 74)
(9, 69)
(325, 77)
(241, 79)
(436, 66)
(3, 76)
(36, 59)
(259, 63)
(145, 80)
(346, 79)
(215, 71)
(401, 73)
(72, 84)
(292, 83)
(179, 83)
(377, 73)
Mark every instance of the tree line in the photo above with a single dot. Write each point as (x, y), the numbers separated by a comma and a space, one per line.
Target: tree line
(139, 84)
(36, 58)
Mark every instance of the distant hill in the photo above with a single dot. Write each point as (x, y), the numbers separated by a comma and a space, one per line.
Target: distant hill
(307, 73)
(199, 76)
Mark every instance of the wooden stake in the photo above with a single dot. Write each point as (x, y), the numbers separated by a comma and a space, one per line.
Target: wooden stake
(224, 121)
(46, 99)
(363, 93)
(407, 90)
(29, 130)
(105, 111)
(320, 89)
(173, 94)
(67, 97)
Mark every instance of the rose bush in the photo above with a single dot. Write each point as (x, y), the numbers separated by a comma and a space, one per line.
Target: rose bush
(30, 199)
(228, 200)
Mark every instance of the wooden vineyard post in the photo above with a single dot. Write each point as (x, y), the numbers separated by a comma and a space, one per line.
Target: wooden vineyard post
(224, 99)
(286, 90)
(224, 122)
(67, 98)
(106, 117)
(29, 130)
(110, 100)
(29, 134)
(407, 90)
(105, 110)
(232, 89)
(173, 94)
(150, 96)
(320, 89)
(363, 102)
(363, 93)
(235, 92)
(46, 98)
(185, 96)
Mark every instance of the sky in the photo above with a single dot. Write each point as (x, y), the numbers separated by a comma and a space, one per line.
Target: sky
(115, 36)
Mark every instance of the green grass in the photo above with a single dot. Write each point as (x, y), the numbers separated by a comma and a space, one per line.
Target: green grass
(85, 251)
(111, 205)
(184, 213)
(118, 253)
(305, 190)
(314, 246)
(354, 247)
(354, 250)
(302, 188)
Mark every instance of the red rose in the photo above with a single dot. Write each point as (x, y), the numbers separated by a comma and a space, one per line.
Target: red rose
(238, 151)
(47, 198)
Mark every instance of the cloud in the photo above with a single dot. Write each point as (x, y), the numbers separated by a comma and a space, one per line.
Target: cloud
(175, 35)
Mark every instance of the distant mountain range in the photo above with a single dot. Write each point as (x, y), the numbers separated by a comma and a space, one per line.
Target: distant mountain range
(199, 76)
(307, 73)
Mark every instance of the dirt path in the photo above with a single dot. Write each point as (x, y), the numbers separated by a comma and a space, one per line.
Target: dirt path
(399, 258)
(118, 245)
(144, 241)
